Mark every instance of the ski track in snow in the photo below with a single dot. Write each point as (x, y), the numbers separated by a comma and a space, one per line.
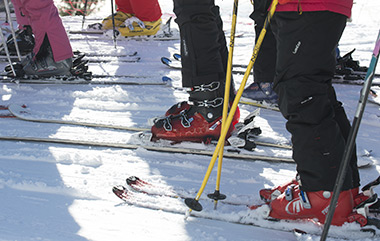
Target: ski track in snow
(63, 192)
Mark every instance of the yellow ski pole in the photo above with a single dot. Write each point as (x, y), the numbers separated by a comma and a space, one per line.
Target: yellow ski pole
(193, 203)
(216, 195)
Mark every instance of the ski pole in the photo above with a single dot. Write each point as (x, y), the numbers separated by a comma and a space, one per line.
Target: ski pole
(84, 12)
(193, 203)
(351, 138)
(8, 12)
(113, 24)
(216, 195)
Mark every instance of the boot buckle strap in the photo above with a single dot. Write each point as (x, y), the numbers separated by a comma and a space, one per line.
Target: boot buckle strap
(184, 120)
(207, 87)
(209, 103)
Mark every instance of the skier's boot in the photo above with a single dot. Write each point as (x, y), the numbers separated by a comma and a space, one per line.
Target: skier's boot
(262, 93)
(135, 27)
(314, 205)
(177, 108)
(24, 39)
(199, 121)
(119, 18)
(346, 64)
(269, 194)
(45, 66)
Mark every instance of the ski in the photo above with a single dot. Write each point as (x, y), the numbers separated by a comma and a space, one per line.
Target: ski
(7, 115)
(246, 129)
(169, 63)
(353, 78)
(164, 34)
(302, 235)
(150, 147)
(260, 104)
(77, 52)
(241, 143)
(373, 97)
(96, 79)
(93, 59)
(237, 214)
(143, 186)
(23, 113)
(131, 57)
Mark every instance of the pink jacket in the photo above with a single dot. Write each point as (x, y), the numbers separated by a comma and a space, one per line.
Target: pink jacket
(336, 6)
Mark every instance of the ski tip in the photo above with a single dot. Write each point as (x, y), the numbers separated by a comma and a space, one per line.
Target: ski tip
(165, 60)
(299, 231)
(301, 235)
(132, 180)
(166, 79)
(120, 191)
(177, 57)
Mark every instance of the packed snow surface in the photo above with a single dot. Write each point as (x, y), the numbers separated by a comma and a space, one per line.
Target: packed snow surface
(64, 192)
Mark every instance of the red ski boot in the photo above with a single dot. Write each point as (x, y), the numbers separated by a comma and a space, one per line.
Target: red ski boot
(189, 125)
(313, 205)
(199, 120)
(267, 194)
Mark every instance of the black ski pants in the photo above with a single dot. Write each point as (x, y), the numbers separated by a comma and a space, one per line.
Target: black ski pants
(316, 120)
(204, 53)
(265, 65)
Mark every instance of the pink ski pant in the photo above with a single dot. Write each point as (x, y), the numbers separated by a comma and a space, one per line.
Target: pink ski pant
(43, 17)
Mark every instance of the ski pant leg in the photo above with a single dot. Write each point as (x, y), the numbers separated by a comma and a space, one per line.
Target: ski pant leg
(124, 6)
(223, 50)
(345, 126)
(265, 65)
(22, 20)
(146, 10)
(45, 21)
(201, 58)
(305, 66)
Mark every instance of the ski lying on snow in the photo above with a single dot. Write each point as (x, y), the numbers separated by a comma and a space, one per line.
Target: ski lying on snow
(106, 55)
(166, 61)
(238, 214)
(97, 79)
(139, 185)
(356, 78)
(21, 112)
(150, 147)
(94, 58)
(261, 104)
(25, 114)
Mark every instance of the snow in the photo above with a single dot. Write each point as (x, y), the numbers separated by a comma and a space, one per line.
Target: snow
(64, 192)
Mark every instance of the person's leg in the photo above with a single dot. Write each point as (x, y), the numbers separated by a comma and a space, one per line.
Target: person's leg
(24, 34)
(45, 21)
(146, 10)
(261, 89)
(304, 69)
(124, 6)
(22, 20)
(203, 70)
(146, 19)
(123, 12)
